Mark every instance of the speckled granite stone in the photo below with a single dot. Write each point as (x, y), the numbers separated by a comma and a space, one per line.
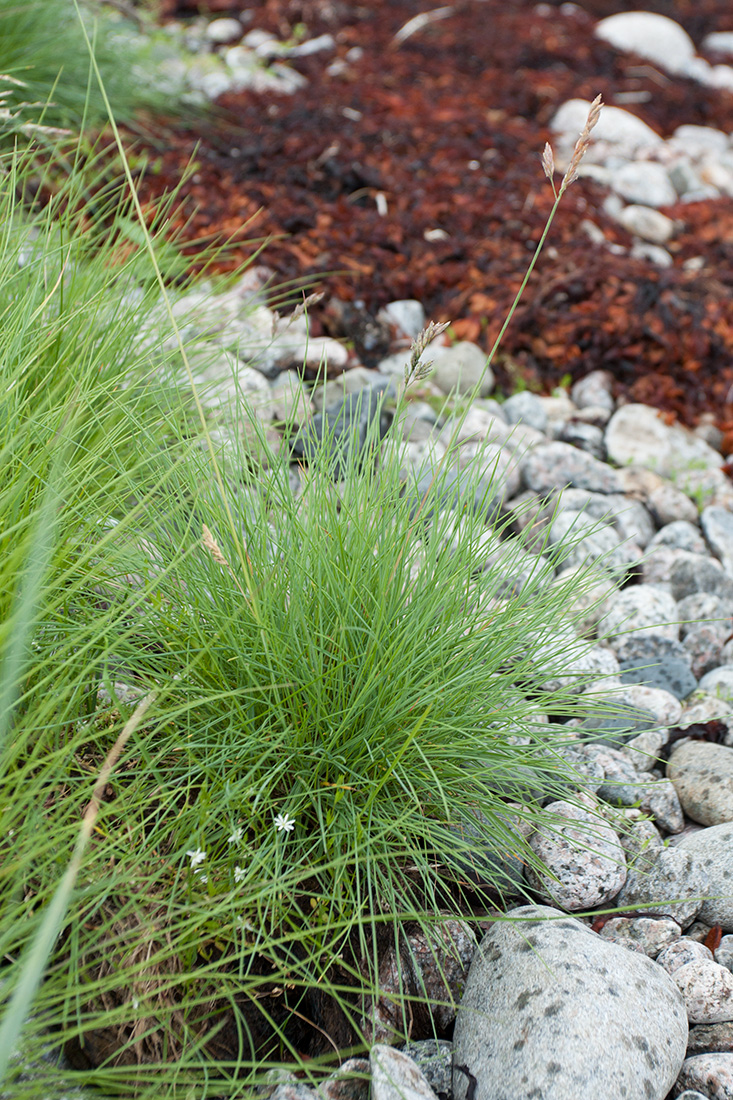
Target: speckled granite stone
(552, 1010)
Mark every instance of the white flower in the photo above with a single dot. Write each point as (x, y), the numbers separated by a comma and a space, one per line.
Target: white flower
(196, 855)
(284, 823)
(203, 878)
(236, 835)
(239, 874)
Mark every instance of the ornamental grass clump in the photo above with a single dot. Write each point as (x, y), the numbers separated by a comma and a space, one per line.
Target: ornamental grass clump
(42, 44)
(332, 694)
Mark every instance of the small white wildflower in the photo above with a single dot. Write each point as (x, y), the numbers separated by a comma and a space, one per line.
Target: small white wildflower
(284, 823)
(196, 855)
(239, 874)
(236, 835)
(135, 1002)
(203, 878)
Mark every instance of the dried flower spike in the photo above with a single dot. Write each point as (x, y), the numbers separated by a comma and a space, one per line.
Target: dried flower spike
(301, 307)
(581, 145)
(210, 544)
(548, 163)
(415, 370)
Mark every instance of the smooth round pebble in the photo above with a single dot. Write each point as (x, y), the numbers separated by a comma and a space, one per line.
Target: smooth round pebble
(584, 857)
(702, 774)
(665, 882)
(710, 1074)
(707, 988)
(643, 934)
(719, 682)
(645, 609)
(711, 851)
(683, 952)
(554, 465)
(395, 1076)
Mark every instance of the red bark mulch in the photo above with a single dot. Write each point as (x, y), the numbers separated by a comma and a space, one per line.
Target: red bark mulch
(449, 128)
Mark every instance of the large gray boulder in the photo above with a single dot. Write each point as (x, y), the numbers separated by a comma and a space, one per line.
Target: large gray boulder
(553, 1010)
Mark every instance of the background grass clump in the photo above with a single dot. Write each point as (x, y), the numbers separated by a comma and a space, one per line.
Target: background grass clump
(347, 683)
(42, 44)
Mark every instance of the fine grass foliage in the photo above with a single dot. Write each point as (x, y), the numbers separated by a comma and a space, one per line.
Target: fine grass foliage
(353, 683)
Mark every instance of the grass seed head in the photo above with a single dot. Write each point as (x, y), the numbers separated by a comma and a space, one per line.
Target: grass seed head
(582, 144)
(415, 370)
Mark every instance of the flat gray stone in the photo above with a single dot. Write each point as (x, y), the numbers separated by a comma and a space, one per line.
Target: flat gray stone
(584, 436)
(702, 774)
(595, 390)
(710, 1038)
(553, 465)
(719, 682)
(647, 223)
(693, 573)
(696, 141)
(679, 535)
(645, 183)
(711, 850)
(588, 540)
(406, 315)
(639, 435)
(704, 607)
(655, 37)
(629, 518)
(526, 408)
(615, 729)
(552, 1010)
(657, 662)
(460, 368)
(616, 126)
(668, 503)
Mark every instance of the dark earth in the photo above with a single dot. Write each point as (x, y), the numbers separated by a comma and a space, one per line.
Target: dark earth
(404, 121)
